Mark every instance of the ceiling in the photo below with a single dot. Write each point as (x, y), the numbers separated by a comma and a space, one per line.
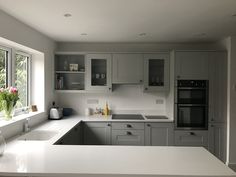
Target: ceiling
(127, 20)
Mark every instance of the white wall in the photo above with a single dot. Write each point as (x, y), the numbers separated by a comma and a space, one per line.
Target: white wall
(230, 43)
(16, 31)
(16, 34)
(136, 47)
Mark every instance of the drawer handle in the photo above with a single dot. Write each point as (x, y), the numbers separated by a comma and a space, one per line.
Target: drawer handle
(192, 133)
(128, 133)
(129, 126)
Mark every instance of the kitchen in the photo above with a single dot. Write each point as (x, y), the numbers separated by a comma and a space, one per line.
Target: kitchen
(128, 91)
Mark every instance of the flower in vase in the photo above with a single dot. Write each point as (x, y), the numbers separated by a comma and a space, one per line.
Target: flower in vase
(8, 98)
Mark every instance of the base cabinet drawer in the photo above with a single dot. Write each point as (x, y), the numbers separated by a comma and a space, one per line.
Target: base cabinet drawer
(191, 138)
(128, 125)
(128, 137)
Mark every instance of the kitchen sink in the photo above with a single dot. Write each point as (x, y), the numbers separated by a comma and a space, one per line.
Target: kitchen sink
(37, 135)
(127, 117)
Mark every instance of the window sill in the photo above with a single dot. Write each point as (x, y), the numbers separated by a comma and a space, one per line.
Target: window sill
(19, 118)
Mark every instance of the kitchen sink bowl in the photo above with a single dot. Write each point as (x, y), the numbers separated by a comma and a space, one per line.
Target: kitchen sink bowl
(37, 135)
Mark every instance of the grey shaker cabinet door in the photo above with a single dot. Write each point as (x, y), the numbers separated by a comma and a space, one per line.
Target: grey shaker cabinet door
(97, 133)
(192, 65)
(127, 68)
(217, 140)
(159, 134)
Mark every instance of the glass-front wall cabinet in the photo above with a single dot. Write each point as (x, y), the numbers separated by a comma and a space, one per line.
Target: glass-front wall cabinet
(156, 72)
(69, 72)
(99, 72)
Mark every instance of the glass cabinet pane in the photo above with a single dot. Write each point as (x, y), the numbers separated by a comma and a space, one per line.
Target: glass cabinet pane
(99, 72)
(156, 72)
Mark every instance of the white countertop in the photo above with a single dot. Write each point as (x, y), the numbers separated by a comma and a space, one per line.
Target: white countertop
(41, 158)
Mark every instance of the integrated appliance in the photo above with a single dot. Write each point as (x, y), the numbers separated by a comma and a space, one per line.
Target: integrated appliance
(127, 117)
(191, 104)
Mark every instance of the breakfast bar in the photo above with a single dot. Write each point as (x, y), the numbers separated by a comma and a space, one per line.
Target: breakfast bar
(43, 158)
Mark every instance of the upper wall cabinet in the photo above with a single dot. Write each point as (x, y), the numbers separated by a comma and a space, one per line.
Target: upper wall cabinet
(127, 69)
(156, 72)
(98, 75)
(191, 65)
(69, 72)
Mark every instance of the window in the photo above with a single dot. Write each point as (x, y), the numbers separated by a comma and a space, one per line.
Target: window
(21, 78)
(3, 67)
(14, 71)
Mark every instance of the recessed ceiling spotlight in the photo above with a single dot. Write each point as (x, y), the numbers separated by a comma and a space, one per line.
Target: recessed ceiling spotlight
(142, 34)
(83, 34)
(67, 15)
(200, 34)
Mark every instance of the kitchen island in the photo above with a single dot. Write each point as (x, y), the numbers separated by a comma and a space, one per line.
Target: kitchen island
(42, 158)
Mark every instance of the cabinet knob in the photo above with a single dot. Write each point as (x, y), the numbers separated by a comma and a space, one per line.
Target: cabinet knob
(146, 88)
(140, 80)
(108, 125)
(128, 133)
(192, 133)
(128, 126)
(148, 125)
(109, 88)
(212, 125)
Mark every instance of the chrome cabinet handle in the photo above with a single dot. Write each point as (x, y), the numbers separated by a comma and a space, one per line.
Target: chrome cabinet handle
(128, 133)
(128, 126)
(192, 133)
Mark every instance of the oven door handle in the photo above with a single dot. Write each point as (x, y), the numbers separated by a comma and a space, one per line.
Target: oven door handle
(192, 105)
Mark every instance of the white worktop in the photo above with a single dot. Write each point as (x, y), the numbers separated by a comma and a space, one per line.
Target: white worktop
(42, 158)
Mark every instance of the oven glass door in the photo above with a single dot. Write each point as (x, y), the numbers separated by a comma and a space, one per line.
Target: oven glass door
(192, 116)
(192, 96)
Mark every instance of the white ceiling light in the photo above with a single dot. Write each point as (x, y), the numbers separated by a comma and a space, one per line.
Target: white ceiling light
(142, 34)
(67, 15)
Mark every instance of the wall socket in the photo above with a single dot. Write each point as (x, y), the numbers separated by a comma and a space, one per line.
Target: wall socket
(92, 101)
(159, 101)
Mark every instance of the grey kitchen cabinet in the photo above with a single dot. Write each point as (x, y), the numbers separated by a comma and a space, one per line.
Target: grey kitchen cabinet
(156, 72)
(69, 72)
(159, 134)
(97, 133)
(72, 137)
(98, 75)
(191, 138)
(217, 87)
(127, 69)
(217, 140)
(128, 137)
(128, 133)
(191, 65)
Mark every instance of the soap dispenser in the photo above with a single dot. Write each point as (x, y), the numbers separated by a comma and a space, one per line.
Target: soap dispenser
(106, 110)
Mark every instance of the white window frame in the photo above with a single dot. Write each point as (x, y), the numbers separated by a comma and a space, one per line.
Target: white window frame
(8, 63)
(29, 56)
(10, 81)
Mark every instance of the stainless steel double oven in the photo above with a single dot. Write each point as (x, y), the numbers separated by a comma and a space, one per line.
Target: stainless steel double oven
(191, 104)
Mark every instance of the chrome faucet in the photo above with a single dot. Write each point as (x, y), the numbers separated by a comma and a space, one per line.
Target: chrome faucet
(26, 127)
